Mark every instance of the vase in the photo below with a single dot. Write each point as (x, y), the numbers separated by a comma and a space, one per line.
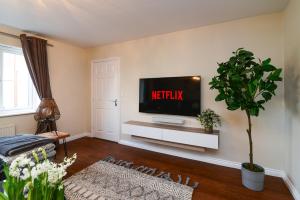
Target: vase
(253, 180)
(208, 129)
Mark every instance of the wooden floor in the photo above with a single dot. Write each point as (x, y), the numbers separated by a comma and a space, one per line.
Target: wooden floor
(216, 182)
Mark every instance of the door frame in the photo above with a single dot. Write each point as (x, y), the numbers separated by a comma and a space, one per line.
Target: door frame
(119, 94)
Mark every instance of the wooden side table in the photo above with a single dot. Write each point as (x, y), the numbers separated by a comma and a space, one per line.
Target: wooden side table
(56, 136)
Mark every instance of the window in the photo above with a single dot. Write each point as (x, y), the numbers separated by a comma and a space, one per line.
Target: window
(17, 92)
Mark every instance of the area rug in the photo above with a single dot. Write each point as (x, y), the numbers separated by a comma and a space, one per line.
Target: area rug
(111, 179)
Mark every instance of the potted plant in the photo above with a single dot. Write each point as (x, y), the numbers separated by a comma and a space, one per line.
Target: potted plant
(246, 84)
(209, 119)
(26, 179)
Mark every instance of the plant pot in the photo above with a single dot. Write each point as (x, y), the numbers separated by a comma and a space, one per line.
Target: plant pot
(253, 180)
(208, 129)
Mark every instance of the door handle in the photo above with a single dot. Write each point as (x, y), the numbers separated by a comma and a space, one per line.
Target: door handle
(116, 102)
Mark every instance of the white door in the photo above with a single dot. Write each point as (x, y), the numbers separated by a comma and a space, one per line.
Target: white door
(105, 99)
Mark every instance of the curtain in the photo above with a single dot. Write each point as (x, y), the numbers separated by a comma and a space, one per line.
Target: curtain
(35, 53)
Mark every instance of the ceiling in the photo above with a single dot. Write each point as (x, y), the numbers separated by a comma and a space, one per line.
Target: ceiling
(89, 23)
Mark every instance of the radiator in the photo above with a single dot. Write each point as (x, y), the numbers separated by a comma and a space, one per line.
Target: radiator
(7, 130)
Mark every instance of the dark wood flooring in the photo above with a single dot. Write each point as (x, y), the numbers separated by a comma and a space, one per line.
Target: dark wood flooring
(216, 182)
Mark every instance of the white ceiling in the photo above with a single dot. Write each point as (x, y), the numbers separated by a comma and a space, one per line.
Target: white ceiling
(96, 22)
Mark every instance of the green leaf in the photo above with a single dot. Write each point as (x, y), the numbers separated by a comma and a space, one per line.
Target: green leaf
(220, 97)
(267, 61)
(254, 111)
(271, 86)
(275, 75)
(261, 85)
(236, 78)
(233, 105)
(243, 52)
(222, 68)
(261, 107)
(267, 96)
(261, 102)
(252, 86)
(268, 68)
(3, 197)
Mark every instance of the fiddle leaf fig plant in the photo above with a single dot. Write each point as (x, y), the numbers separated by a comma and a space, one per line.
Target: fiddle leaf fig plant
(247, 84)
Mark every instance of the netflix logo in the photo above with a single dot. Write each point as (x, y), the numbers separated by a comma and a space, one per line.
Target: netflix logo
(176, 95)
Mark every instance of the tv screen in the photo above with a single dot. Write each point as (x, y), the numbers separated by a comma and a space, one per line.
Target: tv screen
(172, 95)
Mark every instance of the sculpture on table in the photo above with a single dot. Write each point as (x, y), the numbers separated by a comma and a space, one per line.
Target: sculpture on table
(46, 115)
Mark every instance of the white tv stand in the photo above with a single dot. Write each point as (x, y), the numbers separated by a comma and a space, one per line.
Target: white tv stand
(176, 136)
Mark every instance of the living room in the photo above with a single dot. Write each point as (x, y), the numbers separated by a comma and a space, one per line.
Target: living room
(103, 60)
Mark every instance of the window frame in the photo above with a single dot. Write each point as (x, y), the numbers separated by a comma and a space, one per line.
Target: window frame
(32, 102)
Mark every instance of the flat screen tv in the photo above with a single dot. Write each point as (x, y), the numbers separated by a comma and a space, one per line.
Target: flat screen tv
(171, 95)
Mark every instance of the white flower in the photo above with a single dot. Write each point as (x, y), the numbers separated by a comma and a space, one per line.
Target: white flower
(60, 187)
(56, 174)
(24, 162)
(69, 161)
(31, 164)
(53, 177)
(34, 173)
(23, 168)
(25, 174)
(17, 166)
(40, 168)
(15, 172)
(15, 162)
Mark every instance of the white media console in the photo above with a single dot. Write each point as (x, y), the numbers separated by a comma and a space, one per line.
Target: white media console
(171, 135)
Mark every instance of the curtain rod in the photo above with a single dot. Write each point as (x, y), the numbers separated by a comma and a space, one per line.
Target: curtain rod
(18, 37)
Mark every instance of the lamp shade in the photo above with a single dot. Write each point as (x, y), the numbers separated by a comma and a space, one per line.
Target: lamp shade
(47, 110)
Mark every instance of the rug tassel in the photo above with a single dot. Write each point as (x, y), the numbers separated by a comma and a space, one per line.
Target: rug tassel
(123, 163)
(118, 162)
(187, 180)
(149, 171)
(139, 168)
(179, 179)
(167, 177)
(108, 158)
(145, 170)
(160, 174)
(128, 165)
(195, 185)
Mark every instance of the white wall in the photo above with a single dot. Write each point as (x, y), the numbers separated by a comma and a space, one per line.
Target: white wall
(292, 88)
(196, 52)
(70, 82)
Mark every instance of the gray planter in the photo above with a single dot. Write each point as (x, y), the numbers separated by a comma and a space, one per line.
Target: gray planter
(253, 180)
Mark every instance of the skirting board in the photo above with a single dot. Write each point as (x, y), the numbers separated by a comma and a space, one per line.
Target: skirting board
(195, 156)
(75, 137)
(211, 160)
(291, 186)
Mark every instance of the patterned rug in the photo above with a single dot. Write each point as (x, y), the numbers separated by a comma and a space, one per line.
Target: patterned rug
(111, 179)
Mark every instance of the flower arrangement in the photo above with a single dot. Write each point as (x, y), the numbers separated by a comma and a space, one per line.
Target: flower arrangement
(39, 180)
(209, 119)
